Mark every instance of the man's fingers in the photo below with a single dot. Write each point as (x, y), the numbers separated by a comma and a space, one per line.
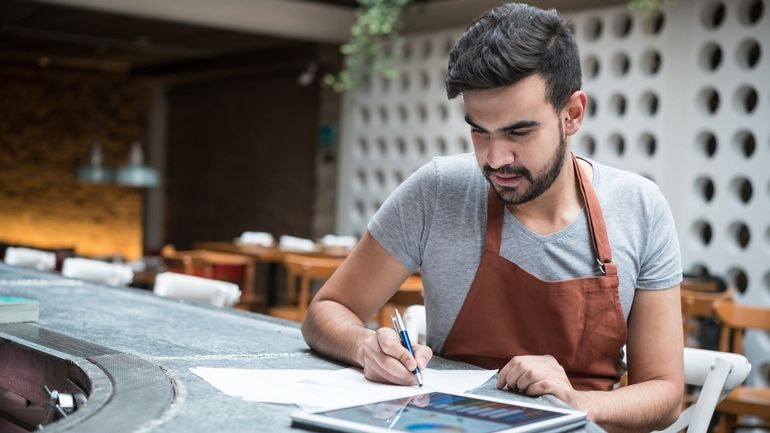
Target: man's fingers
(509, 374)
(423, 354)
(390, 344)
(539, 388)
(383, 368)
(501, 376)
(390, 361)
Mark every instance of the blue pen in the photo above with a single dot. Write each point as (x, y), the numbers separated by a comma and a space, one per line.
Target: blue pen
(398, 325)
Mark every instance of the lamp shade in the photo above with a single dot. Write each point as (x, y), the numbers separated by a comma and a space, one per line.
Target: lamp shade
(135, 173)
(94, 171)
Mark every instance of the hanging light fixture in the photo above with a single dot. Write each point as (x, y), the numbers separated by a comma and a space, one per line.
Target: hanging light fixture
(95, 171)
(136, 173)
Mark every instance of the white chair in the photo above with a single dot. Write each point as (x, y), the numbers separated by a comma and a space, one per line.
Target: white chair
(30, 258)
(190, 288)
(112, 274)
(416, 323)
(717, 373)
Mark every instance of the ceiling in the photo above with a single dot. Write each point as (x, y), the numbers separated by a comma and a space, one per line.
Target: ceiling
(46, 34)
(147, 37)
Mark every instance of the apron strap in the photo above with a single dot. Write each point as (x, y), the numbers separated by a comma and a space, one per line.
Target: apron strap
(595, 222)
(494, 221)
(595, 219)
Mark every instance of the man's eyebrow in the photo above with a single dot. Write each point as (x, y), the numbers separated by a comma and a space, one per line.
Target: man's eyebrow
(521, 124)
(470, 122)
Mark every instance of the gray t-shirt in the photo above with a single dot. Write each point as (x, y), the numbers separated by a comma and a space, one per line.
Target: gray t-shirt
(436, 221)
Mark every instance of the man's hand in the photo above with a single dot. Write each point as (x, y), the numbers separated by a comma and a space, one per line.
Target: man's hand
(537, 375)
(385, 360)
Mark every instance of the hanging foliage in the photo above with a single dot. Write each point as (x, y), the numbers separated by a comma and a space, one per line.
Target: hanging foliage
(649, 6)
(375, 44)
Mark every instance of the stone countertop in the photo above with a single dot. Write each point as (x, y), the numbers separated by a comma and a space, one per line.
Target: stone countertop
(178, 336)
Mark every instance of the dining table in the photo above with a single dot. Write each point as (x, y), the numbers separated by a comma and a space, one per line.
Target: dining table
(271, 257)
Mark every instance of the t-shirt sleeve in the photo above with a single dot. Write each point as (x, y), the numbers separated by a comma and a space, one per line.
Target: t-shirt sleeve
(401, 225)
(661, 262)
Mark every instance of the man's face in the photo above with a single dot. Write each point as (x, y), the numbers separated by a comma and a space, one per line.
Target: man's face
(518, 139)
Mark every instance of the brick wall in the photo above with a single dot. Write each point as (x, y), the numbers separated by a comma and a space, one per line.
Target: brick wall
(48, 121)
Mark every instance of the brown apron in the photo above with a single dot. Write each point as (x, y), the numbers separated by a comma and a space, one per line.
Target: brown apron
(509, 312)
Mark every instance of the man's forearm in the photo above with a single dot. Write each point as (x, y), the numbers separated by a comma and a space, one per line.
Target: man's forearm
(642, 407)
(334, 331)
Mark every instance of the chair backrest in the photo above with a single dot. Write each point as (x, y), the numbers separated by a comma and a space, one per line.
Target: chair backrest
(303, 270)
(410, 293)
(30, 258)
(698, 305)
(703, 284)
(112, 274)
(717, 373)
(196, 289)
(735, 320)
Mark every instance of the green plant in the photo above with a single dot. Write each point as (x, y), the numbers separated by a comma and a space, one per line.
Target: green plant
(375, 44)
(649, 6)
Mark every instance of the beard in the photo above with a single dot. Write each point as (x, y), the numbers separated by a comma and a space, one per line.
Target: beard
(537, 185)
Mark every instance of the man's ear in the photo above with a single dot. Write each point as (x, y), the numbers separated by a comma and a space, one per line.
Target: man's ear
(573, 112)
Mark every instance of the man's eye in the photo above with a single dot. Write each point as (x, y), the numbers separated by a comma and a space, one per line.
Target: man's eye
(477, 131)
(518, 133)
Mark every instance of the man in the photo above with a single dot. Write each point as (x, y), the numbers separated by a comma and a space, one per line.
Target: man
(533, 261)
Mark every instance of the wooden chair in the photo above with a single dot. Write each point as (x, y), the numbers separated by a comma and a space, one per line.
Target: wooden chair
(698, 308)
(234, 268)
(698, 305)
(743, 400)
(303, 270)
(410, 293)
(703, 284)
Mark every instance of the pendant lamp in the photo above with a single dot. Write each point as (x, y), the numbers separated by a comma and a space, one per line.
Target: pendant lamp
(136, 173)
(95, 171)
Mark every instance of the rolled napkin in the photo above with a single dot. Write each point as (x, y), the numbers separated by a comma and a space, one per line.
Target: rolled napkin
(30, 258)
(334, 241)
(112, 274)
(286, 242)
(263, 239)
(197, 289)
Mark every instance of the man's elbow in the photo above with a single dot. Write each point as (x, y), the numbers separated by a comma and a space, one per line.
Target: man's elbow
(669, 418)
(670, 414)
(308, 328)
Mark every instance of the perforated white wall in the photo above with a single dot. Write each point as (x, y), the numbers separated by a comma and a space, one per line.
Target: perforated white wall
(392, 127)
(681, 97)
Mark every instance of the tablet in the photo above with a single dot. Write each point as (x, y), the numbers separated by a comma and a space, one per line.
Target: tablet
(443, 413)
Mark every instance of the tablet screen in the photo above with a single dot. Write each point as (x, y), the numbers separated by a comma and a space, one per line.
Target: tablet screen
(439, 412)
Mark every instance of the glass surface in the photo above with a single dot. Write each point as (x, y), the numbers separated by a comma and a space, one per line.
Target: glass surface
(445, 413)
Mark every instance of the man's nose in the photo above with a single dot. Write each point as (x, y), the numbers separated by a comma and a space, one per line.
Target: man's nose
(500, 153)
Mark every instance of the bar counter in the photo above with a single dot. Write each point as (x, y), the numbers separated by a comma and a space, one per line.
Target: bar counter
(137, 350)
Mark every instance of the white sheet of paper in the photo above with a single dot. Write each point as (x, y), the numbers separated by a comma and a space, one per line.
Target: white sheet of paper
(321, 389)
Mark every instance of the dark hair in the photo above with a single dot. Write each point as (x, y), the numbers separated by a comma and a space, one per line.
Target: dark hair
(510, 43)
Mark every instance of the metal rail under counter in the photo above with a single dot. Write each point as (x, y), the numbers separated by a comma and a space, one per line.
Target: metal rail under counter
(125, 355)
